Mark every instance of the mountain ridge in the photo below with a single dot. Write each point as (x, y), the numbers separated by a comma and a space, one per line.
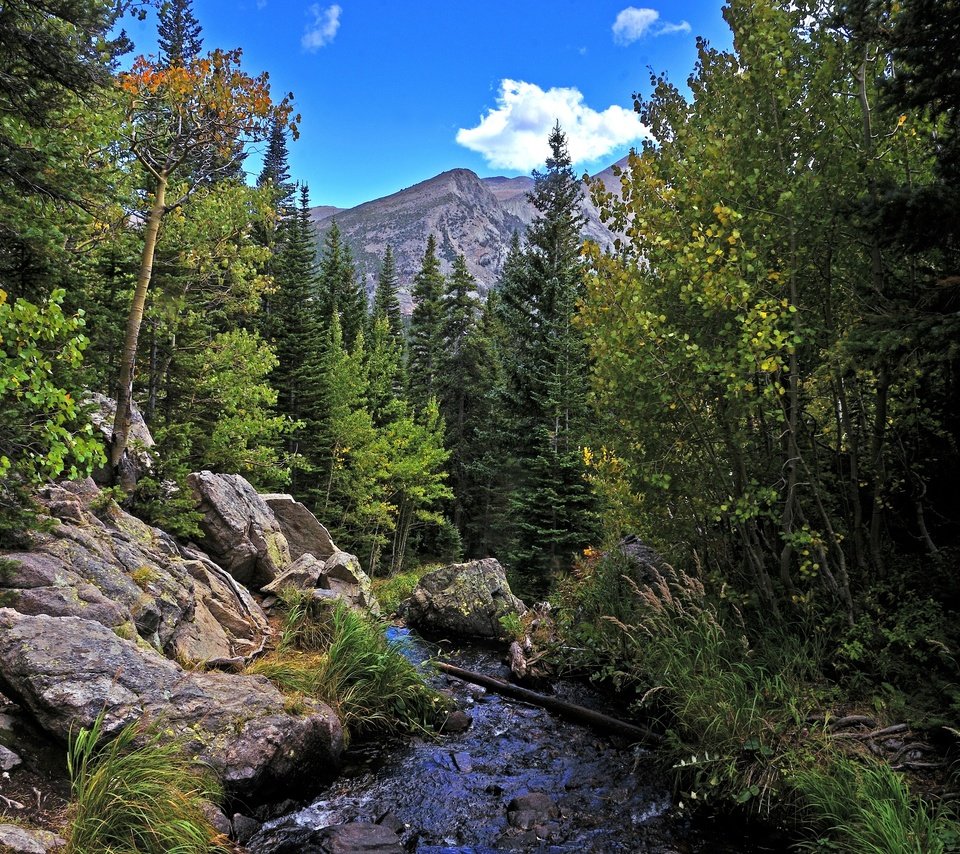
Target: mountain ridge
(469, 215)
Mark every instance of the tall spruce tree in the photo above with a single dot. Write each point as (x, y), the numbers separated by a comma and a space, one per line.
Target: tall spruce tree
(545, 388)
(386, 303)
(297, 333)
(462, 371)
(340, 289)
(274, 229)
(54, 71)
(385, 375)
(425, 345)
(178, 33)
(484, 493)
(275, 172)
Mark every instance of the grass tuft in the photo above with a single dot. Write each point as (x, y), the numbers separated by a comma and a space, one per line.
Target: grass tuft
(341, 656)
(137, 798)
(868, 809)
(393, 591)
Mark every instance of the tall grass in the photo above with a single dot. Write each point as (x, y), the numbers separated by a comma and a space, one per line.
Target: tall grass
(130, 798)
(341, 656)
(735, 710)
(867, 808)
(727, 705)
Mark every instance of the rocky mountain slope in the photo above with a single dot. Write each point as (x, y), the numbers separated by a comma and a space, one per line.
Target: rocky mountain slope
(468, 214)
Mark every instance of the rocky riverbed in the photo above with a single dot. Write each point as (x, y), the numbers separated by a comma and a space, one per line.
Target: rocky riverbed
(518, 779)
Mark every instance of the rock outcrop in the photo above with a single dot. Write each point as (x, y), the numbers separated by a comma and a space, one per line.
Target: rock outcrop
(23, 840)
(240, 531)
(466, 599)
(302, 574)
(101, 564)
(68, 670)
(302, 530)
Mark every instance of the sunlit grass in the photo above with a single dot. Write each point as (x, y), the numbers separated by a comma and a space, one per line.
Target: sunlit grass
(393, 591)
(338, 655)
(137, 798)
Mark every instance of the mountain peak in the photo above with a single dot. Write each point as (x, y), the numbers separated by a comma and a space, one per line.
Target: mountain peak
(473, 216)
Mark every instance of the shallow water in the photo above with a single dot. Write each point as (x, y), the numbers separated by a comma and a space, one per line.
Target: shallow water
(450, 793)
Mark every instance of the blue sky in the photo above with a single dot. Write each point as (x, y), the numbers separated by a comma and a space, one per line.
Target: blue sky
(392, 93)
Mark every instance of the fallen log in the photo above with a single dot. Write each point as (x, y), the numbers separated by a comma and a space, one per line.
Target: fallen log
(571, 711)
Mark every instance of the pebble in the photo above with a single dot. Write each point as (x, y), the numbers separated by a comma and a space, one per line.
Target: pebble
(463, 762)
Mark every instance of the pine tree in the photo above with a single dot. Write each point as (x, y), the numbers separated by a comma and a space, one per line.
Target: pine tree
(352, 301)
(385, 301)
(178, 33)
(350, 463)
(460, 376)
(275, 173)
(54, 60)
(425, 349)
(385, 374)
(340, 290)
(483, 492)
(297, 336)
(545, 389)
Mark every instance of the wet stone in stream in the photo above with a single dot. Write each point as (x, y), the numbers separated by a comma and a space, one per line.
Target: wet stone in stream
(519, 779)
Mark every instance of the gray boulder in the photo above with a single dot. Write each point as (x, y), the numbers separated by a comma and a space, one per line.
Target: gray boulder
(338, 577)
(8, 759)
(303, 531)
(343, 576)
(357, 837)
(302, 574)
(464, 599)
(531, 810)
(102, 564)
(240, 531)
(138, 459)
(27, 840)
(646, 560)
(67, 671)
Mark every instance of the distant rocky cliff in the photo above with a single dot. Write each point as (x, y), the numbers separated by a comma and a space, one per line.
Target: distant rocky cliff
(468, 214)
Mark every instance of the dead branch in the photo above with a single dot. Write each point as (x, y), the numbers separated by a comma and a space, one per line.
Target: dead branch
(568, 710)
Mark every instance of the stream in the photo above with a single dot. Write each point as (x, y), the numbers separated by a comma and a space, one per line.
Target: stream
(450, 794)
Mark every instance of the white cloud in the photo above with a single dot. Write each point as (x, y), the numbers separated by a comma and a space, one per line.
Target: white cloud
(326, 22)
(633, 24)
(669, 29)
(514, 134)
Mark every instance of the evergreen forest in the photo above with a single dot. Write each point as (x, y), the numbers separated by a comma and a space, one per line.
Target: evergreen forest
(760, 381)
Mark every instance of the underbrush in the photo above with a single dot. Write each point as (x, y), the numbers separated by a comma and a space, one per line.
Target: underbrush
(340, 656)
(138, 793)
(736, 706)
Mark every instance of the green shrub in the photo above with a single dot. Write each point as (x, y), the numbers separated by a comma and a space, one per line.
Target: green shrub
(137, 798)
(725, 703)
(163, 498)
